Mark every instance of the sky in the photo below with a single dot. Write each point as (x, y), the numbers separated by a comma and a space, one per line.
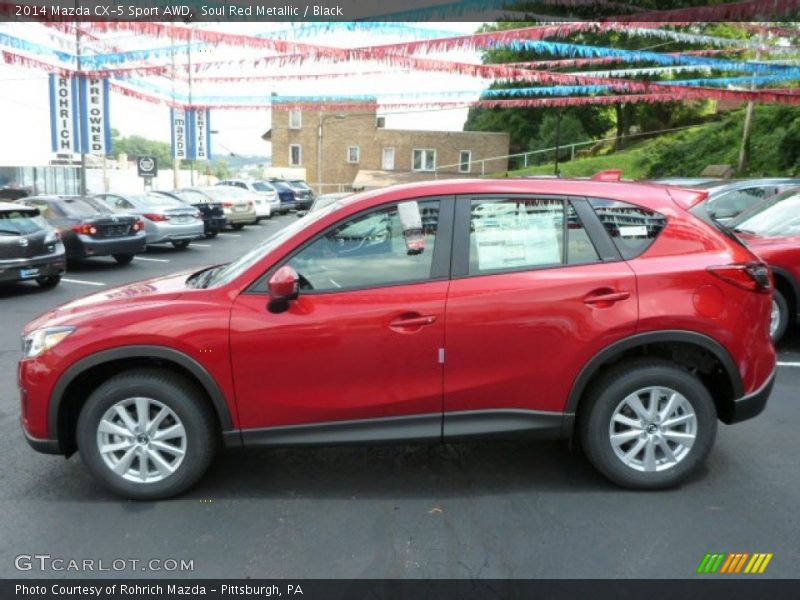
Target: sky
(24, 108)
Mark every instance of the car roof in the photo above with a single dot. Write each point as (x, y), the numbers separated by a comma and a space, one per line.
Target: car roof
(724, 186)
(641, 193)
(14, 206)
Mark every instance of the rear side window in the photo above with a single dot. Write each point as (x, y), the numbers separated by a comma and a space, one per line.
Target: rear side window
(633, 229)
(525, 234)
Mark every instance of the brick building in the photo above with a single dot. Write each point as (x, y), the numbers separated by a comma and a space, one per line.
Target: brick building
(354, 149)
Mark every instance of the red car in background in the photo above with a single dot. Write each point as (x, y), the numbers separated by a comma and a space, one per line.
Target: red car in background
(772, 230)
(433, 312)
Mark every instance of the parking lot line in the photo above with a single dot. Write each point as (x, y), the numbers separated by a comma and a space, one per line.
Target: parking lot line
(788, 364)
(82, 282)
(195, 245)
(163, 260)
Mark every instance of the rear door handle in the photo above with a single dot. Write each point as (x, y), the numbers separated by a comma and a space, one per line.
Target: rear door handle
(414, 322)
(606, 297)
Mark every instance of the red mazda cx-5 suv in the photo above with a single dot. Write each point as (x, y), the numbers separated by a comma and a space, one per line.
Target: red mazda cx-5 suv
(441, 311)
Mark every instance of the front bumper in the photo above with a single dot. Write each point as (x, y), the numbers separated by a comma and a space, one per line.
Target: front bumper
(25, 269)
(749, 406)
(87, 246)
(43, 446)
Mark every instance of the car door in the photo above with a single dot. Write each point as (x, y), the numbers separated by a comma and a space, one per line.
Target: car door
(358, 352)
(537, 289)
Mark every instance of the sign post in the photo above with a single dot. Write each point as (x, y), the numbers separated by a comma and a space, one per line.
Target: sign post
(147, 168)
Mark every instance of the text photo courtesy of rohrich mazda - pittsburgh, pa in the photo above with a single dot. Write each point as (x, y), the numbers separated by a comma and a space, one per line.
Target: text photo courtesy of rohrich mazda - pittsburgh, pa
(452, 300)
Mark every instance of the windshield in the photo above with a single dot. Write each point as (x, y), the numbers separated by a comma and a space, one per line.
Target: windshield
(192, 196)
(159, 201)
(228, 192)
(229, 272)
(777, 216)
(21, 222)
(261, 186)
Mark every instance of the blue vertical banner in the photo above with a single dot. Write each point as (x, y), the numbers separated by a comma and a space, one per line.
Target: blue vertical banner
(201, 135)
(95, 135)
(64, 134)
(179, 133)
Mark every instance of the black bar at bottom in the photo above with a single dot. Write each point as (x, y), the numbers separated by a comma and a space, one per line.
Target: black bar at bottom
(728, 587)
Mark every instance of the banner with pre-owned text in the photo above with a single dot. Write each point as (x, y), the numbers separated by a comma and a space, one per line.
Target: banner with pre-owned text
(95, 117)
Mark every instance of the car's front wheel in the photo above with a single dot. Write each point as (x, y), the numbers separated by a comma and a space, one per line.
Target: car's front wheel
(146, 434)
(47, 282)
(648, 424)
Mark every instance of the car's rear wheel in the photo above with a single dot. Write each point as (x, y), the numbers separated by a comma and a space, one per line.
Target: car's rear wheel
(779, 321)
(237, 226)
(648, 424)
(123, 259)
(48, 282)
(146, 434)
(181, 244)
(212, 234)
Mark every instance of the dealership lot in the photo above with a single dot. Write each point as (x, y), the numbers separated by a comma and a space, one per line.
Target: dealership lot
(481, 510)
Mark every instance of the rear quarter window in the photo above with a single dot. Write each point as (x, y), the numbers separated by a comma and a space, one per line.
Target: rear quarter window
(633, 229)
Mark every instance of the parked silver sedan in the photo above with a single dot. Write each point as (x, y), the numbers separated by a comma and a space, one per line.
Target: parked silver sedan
(166, 220)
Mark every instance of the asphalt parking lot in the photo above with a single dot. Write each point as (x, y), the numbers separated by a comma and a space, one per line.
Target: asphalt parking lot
(491, 510)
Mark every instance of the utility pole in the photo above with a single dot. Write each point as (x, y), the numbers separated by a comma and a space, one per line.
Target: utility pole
(558, 140)
(747, 129)
(77, 134)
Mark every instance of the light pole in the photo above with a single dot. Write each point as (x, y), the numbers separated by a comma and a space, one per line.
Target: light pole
(322, 119)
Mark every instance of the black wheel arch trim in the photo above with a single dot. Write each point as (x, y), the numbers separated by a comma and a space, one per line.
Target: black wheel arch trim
(792, 282)
(654, 337)
(204, 378)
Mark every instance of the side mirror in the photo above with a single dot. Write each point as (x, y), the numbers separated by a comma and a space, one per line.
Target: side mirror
(284, 285)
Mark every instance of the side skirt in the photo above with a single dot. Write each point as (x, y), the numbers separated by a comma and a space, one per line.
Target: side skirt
(430, 428)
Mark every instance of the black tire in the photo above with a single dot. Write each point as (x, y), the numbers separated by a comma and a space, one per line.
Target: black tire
(237, 226)
(212, 234)
(48, 282)
(123, 259)
(606, 394)
(783, 318)
(181, 396)
(181, 244)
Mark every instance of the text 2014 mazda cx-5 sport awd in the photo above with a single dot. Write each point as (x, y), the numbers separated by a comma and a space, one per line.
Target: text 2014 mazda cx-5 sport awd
(442, 311)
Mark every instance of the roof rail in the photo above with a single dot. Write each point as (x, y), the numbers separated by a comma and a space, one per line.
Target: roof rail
(608, 175)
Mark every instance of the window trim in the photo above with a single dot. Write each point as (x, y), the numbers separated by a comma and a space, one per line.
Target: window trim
(598, 236)
(358, 155)
(461, 162)
(440, 263)
(299, 113)
(423, 170)
(299, 155)
(383, 158)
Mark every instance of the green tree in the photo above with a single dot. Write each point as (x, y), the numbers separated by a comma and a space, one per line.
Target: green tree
(221, 169)
(136, 145)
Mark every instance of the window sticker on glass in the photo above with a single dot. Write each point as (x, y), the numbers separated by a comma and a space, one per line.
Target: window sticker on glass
(511, 235)
(633, 231)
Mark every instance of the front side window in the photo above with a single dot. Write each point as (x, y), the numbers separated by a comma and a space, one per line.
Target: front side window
(464, 161)
(295, 119)
(633, 229)
(423, 160)
(353, 154)
(295, 155)
(388, 246)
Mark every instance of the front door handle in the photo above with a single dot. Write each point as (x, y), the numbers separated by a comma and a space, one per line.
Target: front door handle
(605, 297)
(411, 322)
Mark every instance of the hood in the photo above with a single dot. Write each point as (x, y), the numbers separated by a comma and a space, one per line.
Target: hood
(162, 289)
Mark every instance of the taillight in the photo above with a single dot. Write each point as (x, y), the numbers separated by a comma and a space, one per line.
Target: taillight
(227, 204)
(755, 277)
(155, 217)
(85, 229)
(138, 226)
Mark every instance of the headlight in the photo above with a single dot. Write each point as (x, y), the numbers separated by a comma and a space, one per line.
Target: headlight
(40, 341)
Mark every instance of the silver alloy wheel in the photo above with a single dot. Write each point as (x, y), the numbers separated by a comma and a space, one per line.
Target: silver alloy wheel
(775, 318)
(141, 440)
(653, 429)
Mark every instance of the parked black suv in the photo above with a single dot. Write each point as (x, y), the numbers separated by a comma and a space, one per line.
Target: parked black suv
(212, 211)
(89, 228)
(29, 247)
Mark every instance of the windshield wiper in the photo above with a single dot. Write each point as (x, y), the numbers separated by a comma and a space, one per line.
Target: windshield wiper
(737, 230)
